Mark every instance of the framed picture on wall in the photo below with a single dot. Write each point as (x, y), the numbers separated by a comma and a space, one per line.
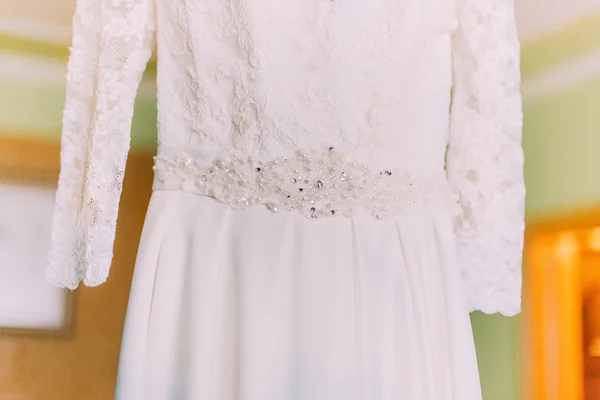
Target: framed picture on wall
(28, 304)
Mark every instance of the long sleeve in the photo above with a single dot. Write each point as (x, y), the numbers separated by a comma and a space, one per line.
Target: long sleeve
(112, 43)
(485, 156)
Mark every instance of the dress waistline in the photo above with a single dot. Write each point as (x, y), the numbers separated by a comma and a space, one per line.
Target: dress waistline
(315, 183)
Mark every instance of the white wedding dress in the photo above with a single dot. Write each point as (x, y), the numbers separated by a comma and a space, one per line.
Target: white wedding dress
(338, 183)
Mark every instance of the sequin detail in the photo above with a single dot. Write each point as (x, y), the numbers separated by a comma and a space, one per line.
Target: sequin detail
(316, 183)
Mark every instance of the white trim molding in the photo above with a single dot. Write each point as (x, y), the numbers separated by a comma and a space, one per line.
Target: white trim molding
(538, 18)
(562, 76)
(46, 72)
(36, 31)
(32, 70)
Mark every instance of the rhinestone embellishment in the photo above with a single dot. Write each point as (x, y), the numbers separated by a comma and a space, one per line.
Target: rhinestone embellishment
(316, 183)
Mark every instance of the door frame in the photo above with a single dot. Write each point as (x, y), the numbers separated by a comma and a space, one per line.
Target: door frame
(555, 252)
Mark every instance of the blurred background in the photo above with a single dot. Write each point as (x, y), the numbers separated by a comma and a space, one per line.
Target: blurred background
(65, 346)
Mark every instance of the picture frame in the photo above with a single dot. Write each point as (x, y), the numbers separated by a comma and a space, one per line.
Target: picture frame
(30, 167)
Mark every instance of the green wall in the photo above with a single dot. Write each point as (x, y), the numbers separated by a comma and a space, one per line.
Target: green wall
(563, 151)
(497, 341)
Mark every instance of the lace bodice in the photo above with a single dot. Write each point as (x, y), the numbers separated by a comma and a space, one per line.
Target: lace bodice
(430, 87)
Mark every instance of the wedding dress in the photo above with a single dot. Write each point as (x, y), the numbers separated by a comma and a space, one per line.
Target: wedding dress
(337, 184)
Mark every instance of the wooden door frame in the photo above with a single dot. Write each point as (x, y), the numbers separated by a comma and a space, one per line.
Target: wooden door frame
(34, 163)
(552, 309)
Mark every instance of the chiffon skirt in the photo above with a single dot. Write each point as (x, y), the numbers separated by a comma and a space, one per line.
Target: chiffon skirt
(255, 305)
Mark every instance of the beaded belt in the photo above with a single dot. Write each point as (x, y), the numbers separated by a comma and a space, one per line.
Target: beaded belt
(315, 183)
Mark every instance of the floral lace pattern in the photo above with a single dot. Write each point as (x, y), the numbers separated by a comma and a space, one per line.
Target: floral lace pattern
(265, 78)
(485, 157)
(111, 46)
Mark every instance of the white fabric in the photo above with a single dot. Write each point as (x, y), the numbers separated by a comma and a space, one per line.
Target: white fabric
(251, 305)
(242, 290)
(266, 77)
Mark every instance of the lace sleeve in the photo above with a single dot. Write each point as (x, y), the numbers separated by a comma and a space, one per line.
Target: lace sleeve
(485, 156)
(112, 43)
